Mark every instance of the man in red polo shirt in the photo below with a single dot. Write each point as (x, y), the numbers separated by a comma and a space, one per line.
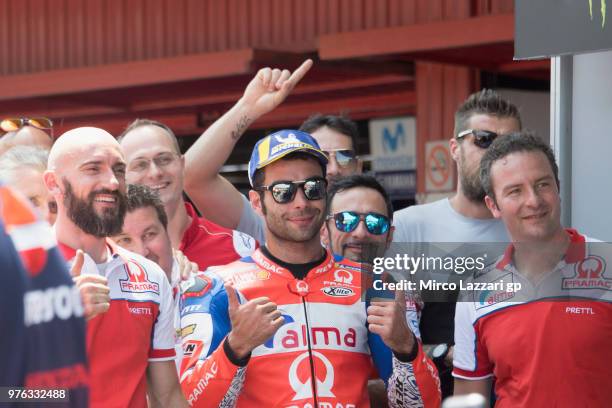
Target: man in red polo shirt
(154, 159)
(547, 344)
(131, 341)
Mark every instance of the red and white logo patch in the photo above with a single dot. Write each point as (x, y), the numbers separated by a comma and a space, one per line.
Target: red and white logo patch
(137, 280)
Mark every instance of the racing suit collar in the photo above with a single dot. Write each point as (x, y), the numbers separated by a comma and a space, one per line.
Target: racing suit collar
(268, 264)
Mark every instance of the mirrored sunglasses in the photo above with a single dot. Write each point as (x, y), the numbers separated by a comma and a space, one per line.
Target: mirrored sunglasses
(284, 191)
(347, 221)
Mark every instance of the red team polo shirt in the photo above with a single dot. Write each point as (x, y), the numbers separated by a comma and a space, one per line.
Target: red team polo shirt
(137, 329)
(209, 244)
(542, 353)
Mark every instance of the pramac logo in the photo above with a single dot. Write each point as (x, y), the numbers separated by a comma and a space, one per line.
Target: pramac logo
(343, 276)
(589, 275)
(301, 368)
(137, 280)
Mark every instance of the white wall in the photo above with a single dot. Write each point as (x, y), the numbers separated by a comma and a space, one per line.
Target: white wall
(534, 107)
(592, 145)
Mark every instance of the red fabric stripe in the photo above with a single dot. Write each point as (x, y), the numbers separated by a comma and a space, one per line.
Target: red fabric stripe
(474, 374)
(161, 353)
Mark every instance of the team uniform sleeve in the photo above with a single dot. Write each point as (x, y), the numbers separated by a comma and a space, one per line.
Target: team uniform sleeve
(163, 332)
(409, 384)
(414, 384)
(208, 377)
(470, 357)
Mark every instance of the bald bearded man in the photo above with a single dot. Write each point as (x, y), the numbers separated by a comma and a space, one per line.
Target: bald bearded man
(133, 340)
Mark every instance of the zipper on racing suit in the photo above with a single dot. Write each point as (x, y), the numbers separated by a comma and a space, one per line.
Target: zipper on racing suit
(313, 381)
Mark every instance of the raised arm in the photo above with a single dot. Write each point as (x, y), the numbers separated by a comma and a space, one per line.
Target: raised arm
(215, 196)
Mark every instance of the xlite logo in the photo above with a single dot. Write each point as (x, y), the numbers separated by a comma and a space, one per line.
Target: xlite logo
(42, 306)
(336, 291)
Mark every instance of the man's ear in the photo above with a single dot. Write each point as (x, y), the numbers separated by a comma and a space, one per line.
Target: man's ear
(492, 206)
(255, 200)
(324, 235)
(453, 146)
(359, 166)
(51, 182)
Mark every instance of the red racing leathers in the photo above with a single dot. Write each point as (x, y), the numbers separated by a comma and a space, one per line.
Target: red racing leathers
(325, 338)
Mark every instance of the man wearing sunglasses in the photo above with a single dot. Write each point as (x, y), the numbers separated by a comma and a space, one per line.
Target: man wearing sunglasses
(464, 217)
(26, 131)
(337, 136)
(310, 343)
(215, 196)
(359, 212)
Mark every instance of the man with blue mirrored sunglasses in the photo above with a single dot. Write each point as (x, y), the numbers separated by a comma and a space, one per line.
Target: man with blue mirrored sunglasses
(359, 213)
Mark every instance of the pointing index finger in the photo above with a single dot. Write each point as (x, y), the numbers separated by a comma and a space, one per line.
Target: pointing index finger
(299, 73)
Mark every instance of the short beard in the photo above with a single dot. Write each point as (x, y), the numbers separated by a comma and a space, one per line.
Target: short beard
(470, 184)
(276, 227)
(83, 214)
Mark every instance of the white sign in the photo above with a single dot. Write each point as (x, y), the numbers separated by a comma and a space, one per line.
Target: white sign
(393, 144)
(438, 167)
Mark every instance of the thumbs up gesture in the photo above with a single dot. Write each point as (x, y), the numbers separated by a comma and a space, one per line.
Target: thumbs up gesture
(253, 322)
(387, 318)
(93, 288)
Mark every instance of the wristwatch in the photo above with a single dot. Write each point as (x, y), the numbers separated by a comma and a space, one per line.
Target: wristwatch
(438, 354)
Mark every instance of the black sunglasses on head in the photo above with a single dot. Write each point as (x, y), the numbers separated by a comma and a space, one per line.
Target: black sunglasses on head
(314, 188)
(482, 138)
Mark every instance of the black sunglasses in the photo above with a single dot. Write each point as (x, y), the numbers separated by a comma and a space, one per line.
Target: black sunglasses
(347, 221)
(314, 188)
(482, 138)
